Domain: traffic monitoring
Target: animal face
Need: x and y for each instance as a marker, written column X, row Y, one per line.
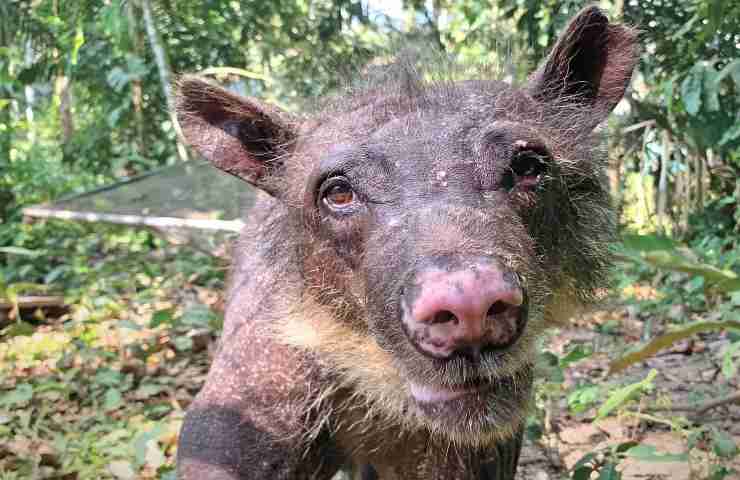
column 438, row 225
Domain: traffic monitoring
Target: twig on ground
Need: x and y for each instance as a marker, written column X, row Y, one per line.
column 700, row 410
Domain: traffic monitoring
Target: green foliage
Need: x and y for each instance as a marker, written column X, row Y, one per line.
column 621, row 396
column 693, row 64
column 665, row 341
column 95, row 396
column 605, row 462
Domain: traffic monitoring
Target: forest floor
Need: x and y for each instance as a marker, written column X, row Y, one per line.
column 83, row 397
column 688, row 378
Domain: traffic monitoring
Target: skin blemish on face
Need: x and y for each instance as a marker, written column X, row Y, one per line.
column 441, row 177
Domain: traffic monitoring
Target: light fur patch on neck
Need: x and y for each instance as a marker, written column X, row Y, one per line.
column 353, row 358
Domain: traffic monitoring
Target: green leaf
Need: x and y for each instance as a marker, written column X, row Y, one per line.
column 732, row 133
column 113, row 400
column 724, row 445
column 665, row 341
column 668, row 88
column 583, row 398
column 624, row 394
column 78, row 42
column 548, row 366
column 691, row 90
column 649, row 453
column 729, row 364
column 582, row 473
column 56, row 273
column 711, row 89
column 198, row 316
column 31, row 74
column 735, row 72
column 149, row 390
column 584, row 460
column 108, row 377
column 624, row 446
column 686, row 28
column 715, row 12
column 14, row 289
column 732, row 70
column 534, row 429
column 162, row 317
column 647, row 243
column 168, row 475
column 117, row 78
column 183, row 343
column 678, row 263
column 20, row 395
column 609, row 472
column 578, row 353
column 720, row 472
column 19, row 329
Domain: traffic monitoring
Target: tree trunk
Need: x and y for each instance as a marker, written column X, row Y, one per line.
column 699, row 198
column 136, row 86
column 663, row 182
column 683, row 194
column 62, row 89
column 163, row 66
column 29, row 93
column 7, row 199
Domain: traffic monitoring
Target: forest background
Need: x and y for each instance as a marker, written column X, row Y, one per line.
column 95, row 386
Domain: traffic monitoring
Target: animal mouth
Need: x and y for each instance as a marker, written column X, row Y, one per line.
column 482, row 401
column 431, row 394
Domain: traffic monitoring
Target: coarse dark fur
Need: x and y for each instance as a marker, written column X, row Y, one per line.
column 314, row 367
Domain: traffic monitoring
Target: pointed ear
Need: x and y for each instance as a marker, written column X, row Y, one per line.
column 240, row 136
column 591, row 63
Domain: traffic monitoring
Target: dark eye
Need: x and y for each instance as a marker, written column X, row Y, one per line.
column 337, row 194
column 527, row 167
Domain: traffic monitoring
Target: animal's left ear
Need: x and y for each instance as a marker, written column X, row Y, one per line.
column 591, row 63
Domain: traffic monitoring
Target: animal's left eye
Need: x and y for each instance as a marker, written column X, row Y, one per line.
column 525, row 170
column 528, row 165
column 338, row 195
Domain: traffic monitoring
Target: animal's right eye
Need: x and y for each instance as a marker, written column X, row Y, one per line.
column 338, row 195
column 528, row 165
column 526, row 170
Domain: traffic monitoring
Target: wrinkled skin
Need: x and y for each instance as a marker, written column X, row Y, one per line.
column 413, row 241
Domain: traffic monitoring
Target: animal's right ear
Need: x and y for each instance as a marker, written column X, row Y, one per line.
column 591, row 64
column 240, row 136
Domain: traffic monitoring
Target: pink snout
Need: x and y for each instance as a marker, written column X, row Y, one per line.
column 463, row 309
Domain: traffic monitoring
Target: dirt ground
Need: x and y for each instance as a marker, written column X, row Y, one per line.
column 689, row 374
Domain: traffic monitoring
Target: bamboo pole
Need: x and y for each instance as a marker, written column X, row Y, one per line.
column 163, row 66
column 137, row 220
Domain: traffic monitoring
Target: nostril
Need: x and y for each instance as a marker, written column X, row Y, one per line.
column 443, row 317
column 498, row 308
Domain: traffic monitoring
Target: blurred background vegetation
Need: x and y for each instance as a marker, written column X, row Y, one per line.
column 96, row 388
